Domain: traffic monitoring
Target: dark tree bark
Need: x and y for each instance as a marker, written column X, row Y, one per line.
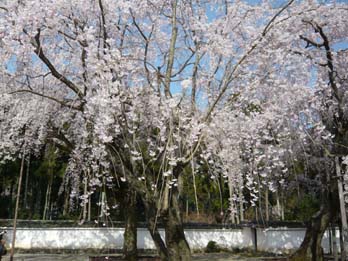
column 310, row 248
column 130, row 251
column 175, row 246
column 178, row 248
column 151, row 212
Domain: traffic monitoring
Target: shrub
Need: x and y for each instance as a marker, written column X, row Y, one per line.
column 212, row 247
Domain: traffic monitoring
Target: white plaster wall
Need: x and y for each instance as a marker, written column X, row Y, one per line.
column 279, row 240
column 275, row 240
column 228, row 238
column 76, row 238
column 283, row 240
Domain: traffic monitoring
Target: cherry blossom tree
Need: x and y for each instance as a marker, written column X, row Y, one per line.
column 136, row 91
column 295, row 112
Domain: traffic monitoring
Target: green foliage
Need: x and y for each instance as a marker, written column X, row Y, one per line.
column 212, row 193
column 48, row 164
column 212, row 247
column 307, row 207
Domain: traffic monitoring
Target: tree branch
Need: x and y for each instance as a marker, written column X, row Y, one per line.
column 311, row 43
column 105, row 35
column 238, row 64
column 171, row 52
column 47, row 97
column 39, row 52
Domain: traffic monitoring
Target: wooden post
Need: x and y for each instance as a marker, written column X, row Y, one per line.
column 17, row 206
column 342, row 209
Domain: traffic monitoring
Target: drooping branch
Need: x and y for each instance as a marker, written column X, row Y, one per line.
column 229, row 78
column 48, row 97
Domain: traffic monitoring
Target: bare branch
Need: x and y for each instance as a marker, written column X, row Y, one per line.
column 311, row 43
column 184, row 65
column 47, row 97
column 39, row 52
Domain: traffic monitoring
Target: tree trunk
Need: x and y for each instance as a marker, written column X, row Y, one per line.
column 66, row 202
column 150, row 211
column 241, row 207
column 334, row 243
column 26, row 206
column 310, row 248
column 10, row 211
column 278, row 205
column 47, row 200
column 266, row 205
column 89, row 209
column 177, row 246
column 282, row 205
column 344, row 225
column 17, row 206
column 343, row 253
column 84, row 211
column 130, row 251
column 233, row 206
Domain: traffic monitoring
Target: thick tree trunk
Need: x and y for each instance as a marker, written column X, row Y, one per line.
column 150, row 211
column 310, row 248
column 130, row 251
column 177, row 246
